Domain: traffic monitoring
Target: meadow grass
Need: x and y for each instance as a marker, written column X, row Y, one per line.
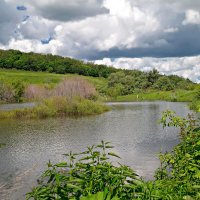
column 45, row 77
column 177, row 95
column 57, row 107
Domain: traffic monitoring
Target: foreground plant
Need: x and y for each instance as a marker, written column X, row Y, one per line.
column 85, row 174
column 91, row 176
column 179, row 173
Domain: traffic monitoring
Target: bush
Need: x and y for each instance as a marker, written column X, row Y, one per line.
column 87, row 173
column 6, row 92
column 19, row 88
column 163, row 83
column 68, row 88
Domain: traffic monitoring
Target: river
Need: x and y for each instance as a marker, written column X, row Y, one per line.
column 132, row 128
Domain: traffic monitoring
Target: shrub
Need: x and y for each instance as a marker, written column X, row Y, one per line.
column 74, row 87
column 163, row 83
column 6, row 92
column 68, row 88
column 87, row 173
column 18, row 87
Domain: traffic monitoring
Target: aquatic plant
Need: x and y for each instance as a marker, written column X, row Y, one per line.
column 57, row 107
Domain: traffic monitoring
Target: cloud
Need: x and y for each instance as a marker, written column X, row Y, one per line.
column 171, row 30
column 25, row 18
column 98, row 29
column 33, row 46
column 8, row 19
column 187, row 67
column 141, row 30
column 62, row 10
column 192, row 17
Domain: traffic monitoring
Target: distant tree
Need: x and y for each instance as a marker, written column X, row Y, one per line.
column 116, row 78
column 153, row 76
column 163, row 83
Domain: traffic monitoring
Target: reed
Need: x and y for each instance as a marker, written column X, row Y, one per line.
column 57, row 107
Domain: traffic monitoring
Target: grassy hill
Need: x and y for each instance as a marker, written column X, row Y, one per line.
column 29, row 77
column 115, row 84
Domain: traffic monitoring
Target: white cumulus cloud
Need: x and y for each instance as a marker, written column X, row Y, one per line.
column 187, row 67
column 192, row 17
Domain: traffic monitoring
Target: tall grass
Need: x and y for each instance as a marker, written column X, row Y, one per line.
column 66, row 88
column 57, row 107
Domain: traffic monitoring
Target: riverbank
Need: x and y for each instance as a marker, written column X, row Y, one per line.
column 27, row 86
column 57, row 107
column 195, row 105
column 153, row 95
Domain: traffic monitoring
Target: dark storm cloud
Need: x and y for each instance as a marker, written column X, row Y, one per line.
column 185, row 42
column 69, row 10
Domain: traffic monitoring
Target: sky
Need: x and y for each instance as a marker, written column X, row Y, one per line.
column 131, row 34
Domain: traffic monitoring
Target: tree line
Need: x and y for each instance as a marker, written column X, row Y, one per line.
column 129, row 82
column 14, row 59
column 120, row 81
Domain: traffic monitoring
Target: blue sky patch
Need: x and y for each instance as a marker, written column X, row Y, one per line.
column 46, row 41
column 21, row 8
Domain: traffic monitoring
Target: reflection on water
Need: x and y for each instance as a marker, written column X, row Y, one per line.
column 132, row 128
column 16, row 106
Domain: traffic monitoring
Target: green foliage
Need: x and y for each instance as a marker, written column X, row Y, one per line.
column 151, row 95
column 164, row 83
column 179, row 173
column 18, row 88
column 100, row 196
column 12, row 59
column 11, row 92
column 57, row 107
column 132, row 82
column 195, row 104
column 46, row 79
column 6, row 92
column 153, row 76
column 85, row 174
column 2, row 145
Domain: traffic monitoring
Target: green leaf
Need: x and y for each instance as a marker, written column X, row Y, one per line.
column 74, row 187
column 62, row 164
column 113, row 154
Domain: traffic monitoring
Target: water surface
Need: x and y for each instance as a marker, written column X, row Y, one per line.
column 15, row 106
column 132, row 128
